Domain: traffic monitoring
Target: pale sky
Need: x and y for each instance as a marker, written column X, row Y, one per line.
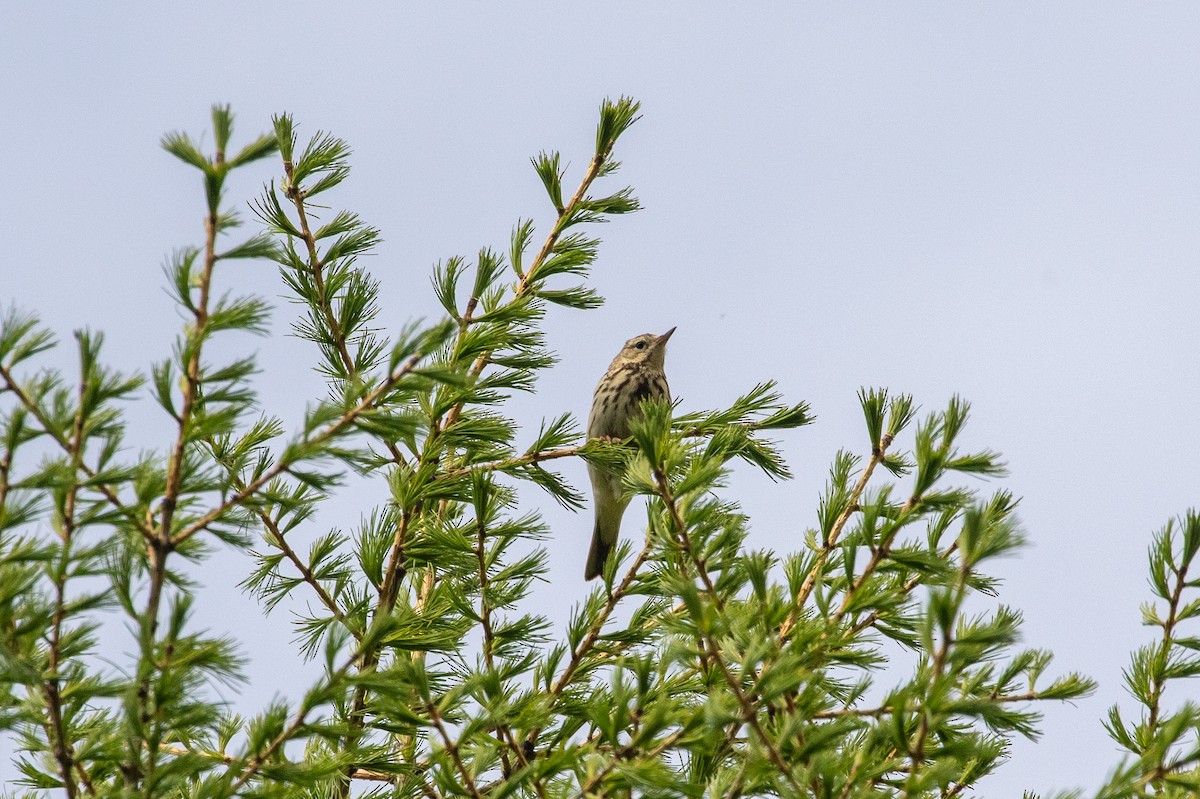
column 993, row 200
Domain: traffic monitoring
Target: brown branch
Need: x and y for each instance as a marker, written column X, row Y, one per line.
column 340, row 338
column 5, row 468
column 295, row 194
column 1166, row 769
column 526, row 281
column 917, row 750
column 887, row 710
column 958, row 788
column 370, row 658
column 1158, row 683
column 878, row 554
column 593, row 635
column 528, row 459
column 749, row 708
column 589, row 641
column 595, row 780
column 64, row 752
column 395, row 571
column 332, row 429
column 810, row 580
column 502, row 731
column 909, row 585
column 160, row 543
column 538, row 456
column 305, row 572
column 281, row 543
column 229, row 760
column 191, row 387
column 451, row 747
column 113, row 499
column 255, row 764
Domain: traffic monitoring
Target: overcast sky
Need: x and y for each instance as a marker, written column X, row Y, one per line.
column 994, row 200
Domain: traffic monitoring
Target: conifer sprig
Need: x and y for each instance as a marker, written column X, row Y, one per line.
column 1165, row 743
column 701, row 666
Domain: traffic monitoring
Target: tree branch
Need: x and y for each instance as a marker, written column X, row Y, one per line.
column 810, row 580
column 111, row 496
column 334, row 428
column 749, row 708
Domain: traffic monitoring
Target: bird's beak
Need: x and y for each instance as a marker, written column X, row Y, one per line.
column 663, row 338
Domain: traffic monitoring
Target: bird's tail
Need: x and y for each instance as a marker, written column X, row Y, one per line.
column 598, row 554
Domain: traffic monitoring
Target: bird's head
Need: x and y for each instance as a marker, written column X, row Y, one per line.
column 646, row 349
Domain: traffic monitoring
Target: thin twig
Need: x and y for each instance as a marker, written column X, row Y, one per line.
column 295, row 194
column 340, row 338
column 451, row 747
column 160, row 545
column 332, row 429
column 878, row 555
column 887, row 710
column 255, row 764
column 396, row 570
column 64, row 752
column 909, row 585
column 229, row 760
column 528, row 459
column 12, row 385
column 305, row 572
column 917, row 749
column 502, row 731
column 596, row 779
column 810, row 580
column 589, row 640
column 526, row 281
column 1159, row 680
column 749, row 708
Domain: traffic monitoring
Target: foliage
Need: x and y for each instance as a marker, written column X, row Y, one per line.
column 1165, row 744
column 700, row 667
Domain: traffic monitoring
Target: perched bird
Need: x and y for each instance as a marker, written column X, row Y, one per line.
column 634, row 375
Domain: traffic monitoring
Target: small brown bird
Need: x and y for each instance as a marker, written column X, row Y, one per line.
column 634, row 375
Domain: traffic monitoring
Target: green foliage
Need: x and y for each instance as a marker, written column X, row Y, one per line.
column 1165, row 743
column 698, row 667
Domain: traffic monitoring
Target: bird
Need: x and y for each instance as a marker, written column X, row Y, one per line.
column 634, row 375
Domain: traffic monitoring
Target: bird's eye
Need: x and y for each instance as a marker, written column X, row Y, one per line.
column 641, row 345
